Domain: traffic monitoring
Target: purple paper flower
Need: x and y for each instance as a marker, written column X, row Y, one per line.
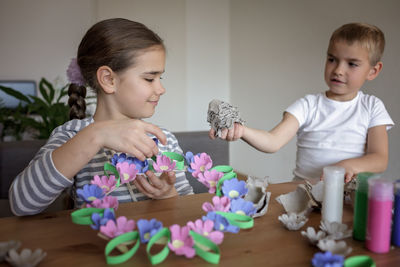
column 74, row 74
column 242, row 207
column 155, row 140
column 127, row 172
column 327, row 259
column 119, row 158
column 105, row 183
column 181, row 242
column 115, row 228
column 89, row 193
column 200, row 164
column 104, row 203
column 220, row 223
column 220, row 204
column 189, row 158
column 99, row 220
column 141, row 166
column 210, row 179
column 148, row 229
column 234, row 188
column 206, row 229
column 164, row 164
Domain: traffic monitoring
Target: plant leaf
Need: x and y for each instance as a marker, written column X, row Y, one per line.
column 14, row 93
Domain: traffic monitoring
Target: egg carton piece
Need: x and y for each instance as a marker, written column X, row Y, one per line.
column 297, row 201
column 293, row 221
column 222, row 115
column 313, row 236
column 335, row 247
column 336, row 230
column 7, row 246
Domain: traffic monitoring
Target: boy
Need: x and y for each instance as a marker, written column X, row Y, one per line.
column 342, row 126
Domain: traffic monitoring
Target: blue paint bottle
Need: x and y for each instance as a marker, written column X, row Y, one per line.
column 396, row 215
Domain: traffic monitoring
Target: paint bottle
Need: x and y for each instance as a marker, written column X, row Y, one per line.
column 332, row 204
column 396, row 215
column 361, row 206
column 380, row 203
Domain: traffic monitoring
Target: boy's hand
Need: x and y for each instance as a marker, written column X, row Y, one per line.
column 349, row 171
column 229, row 134
column 157, row 187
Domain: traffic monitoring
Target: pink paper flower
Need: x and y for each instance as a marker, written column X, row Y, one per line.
column 112, row 229
column 181, row 242
column 206, row 229
column 210, row 179
column 127, row 172
column 200, row 164
column 220, row 204
column 164, row 164
column 106, row 202
column 105, row 183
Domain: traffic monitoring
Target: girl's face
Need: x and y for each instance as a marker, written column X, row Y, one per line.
column 139, row 88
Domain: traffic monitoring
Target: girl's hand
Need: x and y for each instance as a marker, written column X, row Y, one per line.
column 229, row 134
column 129, row 136
column 157, row 187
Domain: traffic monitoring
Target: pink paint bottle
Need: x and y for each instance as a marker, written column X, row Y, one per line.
column 380, row 203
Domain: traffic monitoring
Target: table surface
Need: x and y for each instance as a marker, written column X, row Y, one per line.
column 268, row 242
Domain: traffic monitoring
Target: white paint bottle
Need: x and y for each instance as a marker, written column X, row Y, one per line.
column 332, row 204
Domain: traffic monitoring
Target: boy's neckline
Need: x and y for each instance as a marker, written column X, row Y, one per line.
column 342, row 101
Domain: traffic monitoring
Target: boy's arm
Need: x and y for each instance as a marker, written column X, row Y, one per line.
column 376, row 158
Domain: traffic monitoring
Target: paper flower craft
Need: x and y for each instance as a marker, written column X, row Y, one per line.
column 313, row 236
column 6, row 246
column 205, row 228
column 243, row 207
column 234, row 188
column 327, row 259
column 221, row 223
column 148, row 229
column 181, row 242
column 119, row 158
column 293, row 221
column 127, row 172
column 26, row 257
column 210, row 179
column 104, row 203
column 105, row 183
column 164, row 164
column 141, row 166
column 334, row 247
column 220, row 204
column 189, row 158
column 201, row 163
column 118, row 227
column 336, row 230
column 99, row 220
column 89, row 193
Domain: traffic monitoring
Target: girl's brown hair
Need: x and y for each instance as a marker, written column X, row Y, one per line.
column 114, row 43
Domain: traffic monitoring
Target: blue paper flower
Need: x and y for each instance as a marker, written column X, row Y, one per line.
column 155, row 140
column 90, row 192
column 189, row 157
column 121, row 158
column 234, row 188
column 221, row 223
column 99, row 220
column 327, row 259
column 148, row 229
column 141, row 166
column 243, row 207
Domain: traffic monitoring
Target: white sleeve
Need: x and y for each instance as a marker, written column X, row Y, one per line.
column 299, row 109
column 379, row 115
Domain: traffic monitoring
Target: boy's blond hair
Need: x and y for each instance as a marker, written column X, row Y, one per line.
column 368, row 36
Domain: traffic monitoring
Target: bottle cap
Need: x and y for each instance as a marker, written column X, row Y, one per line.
column 333, row 174
column 380, row 189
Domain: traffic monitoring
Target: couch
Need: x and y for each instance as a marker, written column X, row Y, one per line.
column 14, row 156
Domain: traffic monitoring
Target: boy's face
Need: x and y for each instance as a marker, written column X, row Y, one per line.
column 347, row 68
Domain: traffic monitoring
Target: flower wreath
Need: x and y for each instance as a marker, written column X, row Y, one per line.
column 229, row 212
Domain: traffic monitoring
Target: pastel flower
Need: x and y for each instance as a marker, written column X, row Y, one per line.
column 189, row 158
column 201, row 163
column 210, row 179
column 105, row 183
column 127, row 172
column 26, row 257
column 206, row 229
column 115, row 228
column 327, row 259
column 90, row 193
column 234, row 188
column 99, row 220
column 74, row 74
column 141, row 166
column 181, row 242
column 164, row 164
column 148, row 229
column 242, row 207
column 220, row 223
column 119, row 158
column 104, row 203
column 220, row 204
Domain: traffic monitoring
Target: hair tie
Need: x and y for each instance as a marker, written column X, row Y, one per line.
column 74, row 74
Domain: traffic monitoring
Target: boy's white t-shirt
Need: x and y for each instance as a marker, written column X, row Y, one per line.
column 331, row 131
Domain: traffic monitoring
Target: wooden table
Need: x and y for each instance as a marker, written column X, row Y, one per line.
column 267, row 243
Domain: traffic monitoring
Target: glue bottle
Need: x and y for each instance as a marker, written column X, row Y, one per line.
column 361, row 206
column 380, row 202
column 396, row 215
column 332, row 204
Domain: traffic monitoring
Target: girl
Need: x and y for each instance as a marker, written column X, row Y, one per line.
column 123, row 62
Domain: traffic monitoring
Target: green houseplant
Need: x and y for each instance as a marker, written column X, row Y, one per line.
column 39, row 115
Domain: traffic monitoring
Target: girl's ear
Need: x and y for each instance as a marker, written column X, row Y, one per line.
column 106, row 78
column 374, row 71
